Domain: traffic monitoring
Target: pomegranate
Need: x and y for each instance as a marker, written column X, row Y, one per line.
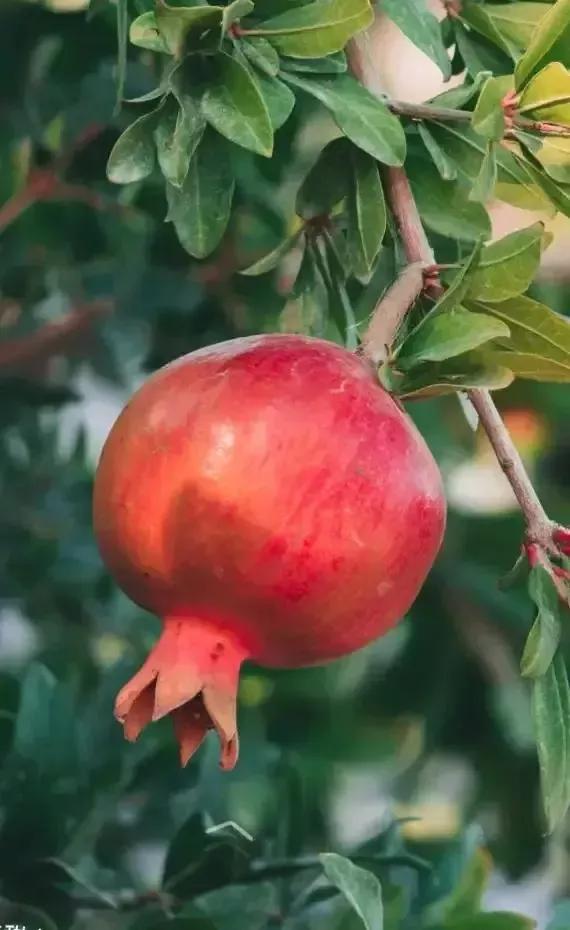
column 269, row 501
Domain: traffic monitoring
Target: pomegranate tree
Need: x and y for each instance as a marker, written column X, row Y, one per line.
column 269, row 501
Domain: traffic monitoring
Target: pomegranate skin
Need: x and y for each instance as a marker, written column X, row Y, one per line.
column 268, row 496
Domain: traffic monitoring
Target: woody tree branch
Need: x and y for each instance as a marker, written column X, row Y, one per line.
column 541, row 534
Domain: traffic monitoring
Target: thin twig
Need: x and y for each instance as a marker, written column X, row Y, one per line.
column 56, row 338
column 388, row 316
column 539, row 528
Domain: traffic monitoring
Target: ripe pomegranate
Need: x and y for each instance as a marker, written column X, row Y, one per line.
column 269, row 501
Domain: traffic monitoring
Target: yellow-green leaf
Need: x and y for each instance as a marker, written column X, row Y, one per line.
column 508, row 266
column 317, row 29
column 517, row 22
column 489, row 117
column 536, row 330
column 533, row 367
column 550, row 42
column 144, row 33
column 547, row 95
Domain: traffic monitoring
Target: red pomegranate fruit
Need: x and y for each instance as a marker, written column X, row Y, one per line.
column 269, row 501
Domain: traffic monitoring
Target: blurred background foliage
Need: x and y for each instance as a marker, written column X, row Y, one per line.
column 431, row 723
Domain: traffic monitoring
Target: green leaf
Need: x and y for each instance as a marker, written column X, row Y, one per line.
column 533, row 367
column 547, row 95
column 144, row 33
column 361, row 888
column 458, row 97
column 331, row 64
column 535, row 329
column 544, row 636
column 234, row 105
column 515, row 184
column 132, row 156
column 559, row 195
column 445, row 206
column 479, row 18
column 488, row 117
column 493, row 920
column 333, row 276
column 550, row 42
column 516, row 22
column 459, row 285
column 279, row 99
column 551, row 712
column 318, row 29
column 45, row 729
column 261, row 53
column 327, row 182
column 484, row 185
column 366, row 210
column 239, row 907
column 177, row 136
column 235, row 11
column 478, row 54
column 273, row 258
column 465, row 899
column 122, row 42
column 508, row 266
column 189, row 28
column 422, row 28
column 200, row 210
column 446, row 167
column 362, row 117
column 463, row 372
column 445, row 335
column 307, row 280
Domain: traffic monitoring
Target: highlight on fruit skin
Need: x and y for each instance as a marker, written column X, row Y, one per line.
column 268, row 500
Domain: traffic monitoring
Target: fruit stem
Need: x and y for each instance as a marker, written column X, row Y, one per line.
column 397, row 302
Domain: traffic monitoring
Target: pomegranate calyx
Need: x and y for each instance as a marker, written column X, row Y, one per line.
column 192, row 674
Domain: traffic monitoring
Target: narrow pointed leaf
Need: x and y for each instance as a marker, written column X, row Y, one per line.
column 327, row 182
column 446, row 335
column 361, row 888
column 317, row 29
column 132, row 157
column 447, row 168
column 261, row 53
column 233, row 104
column 544, row 636
column 273, row 258
column 508, row 266
column 550, row 42
column 551, row 712
column 366, row 209
column 200, row 210
column 330, row 64
column 535, row 328
column 484, row 185
column 422, row 28
column 359, row 114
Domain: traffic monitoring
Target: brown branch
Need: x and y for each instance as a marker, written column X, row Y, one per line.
column 390, row 312
column 539, row 528
column 26, row 353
